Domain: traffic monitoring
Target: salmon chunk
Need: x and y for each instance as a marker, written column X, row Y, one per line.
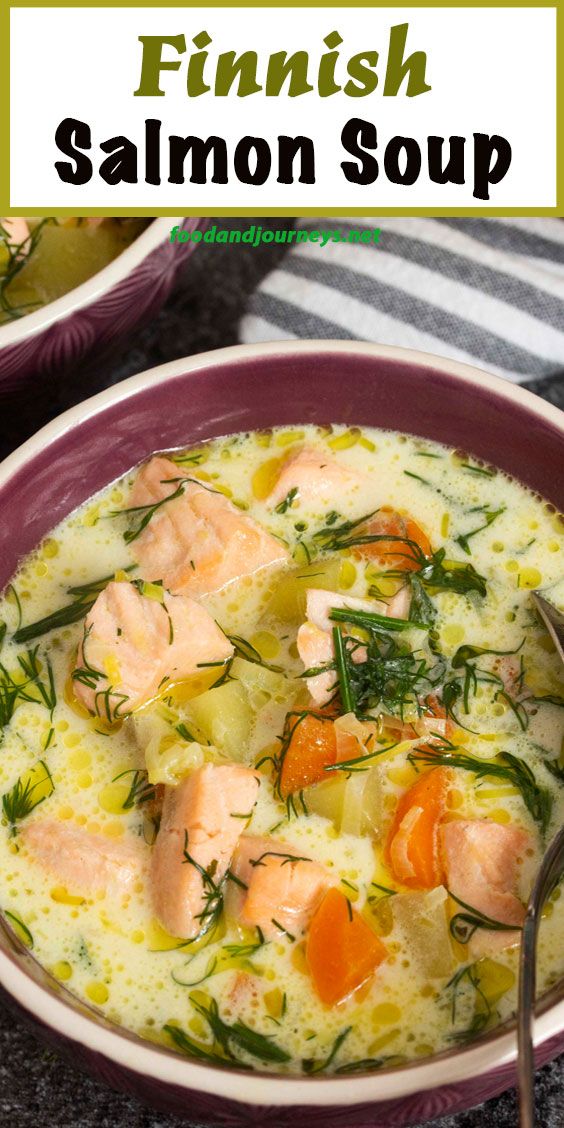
column 132, row 642
column 201, row 823
column 281, row 893
column 86, row 864
column 198, row 542
column 315, row 642
column 481, row 861
column 316, row 478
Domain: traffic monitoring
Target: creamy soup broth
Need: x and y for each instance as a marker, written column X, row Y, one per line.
column 333, row 756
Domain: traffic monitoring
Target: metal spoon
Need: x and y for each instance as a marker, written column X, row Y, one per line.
column 551, row 870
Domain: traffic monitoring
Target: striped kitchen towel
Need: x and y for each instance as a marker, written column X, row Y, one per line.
column 486, row 291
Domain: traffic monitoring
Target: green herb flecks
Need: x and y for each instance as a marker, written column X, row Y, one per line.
column 490, row 515
column 21, row 930
column 230, row 1037
column 391, row 677
column 19, row 254
column 212, row 892
column 470, row 976
column 458, row 690
column 28, row 792
column 506, row 767
column 288, row 501
column 142, row 514
column 194, row 1049
column 140, row 790
column 311, row 1066
column 463, row 925
column 85, row 596
column 37, row 686
column 244, row 649
column 370, row 620
column 421, row 609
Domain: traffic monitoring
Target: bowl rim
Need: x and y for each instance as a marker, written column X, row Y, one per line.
column 159, row 1064
column 12, row 332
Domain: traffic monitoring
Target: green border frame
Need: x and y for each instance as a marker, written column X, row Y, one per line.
column 6, row 6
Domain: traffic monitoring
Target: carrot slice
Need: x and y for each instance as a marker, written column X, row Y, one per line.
column 310, row 746
column 412, row 848
column 401, row 555
column 342, row 952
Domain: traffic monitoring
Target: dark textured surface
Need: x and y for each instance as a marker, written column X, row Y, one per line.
column 35, row 1085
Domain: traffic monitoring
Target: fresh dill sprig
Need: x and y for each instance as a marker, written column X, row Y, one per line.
column 140, row 791
column 145, row 513
column 365, row 1065
column 212, row 892
column 462, row 686
column 201, row 1053
column 433, row 571
column 245, row 649
column 370, row 620
column 85, row 596
column 19, row 254
column 32, row 689
column 421, row 609
column 482, row 1012
column 359, row 763
column 390, row 678
column 288, row 501
column 21, row 930
column 490, row 515
column 463, row 925
column 311, row 1066
column 480, row 470
column 506, row 767
column 26, row 795
column 239, row 1036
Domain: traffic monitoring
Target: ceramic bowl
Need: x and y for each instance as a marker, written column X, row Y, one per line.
column 189, row 401
column 37, row 349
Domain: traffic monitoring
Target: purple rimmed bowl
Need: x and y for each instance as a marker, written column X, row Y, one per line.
column 186, row 402
column 37, row 349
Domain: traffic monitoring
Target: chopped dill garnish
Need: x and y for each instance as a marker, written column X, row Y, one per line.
column 311, row 1066
column 481, row 470
column 490, row 515
column 238, row 1035
column 33, row 689
column 145, row 513
column 85, row 598
column 288, row 501
column 506, row 767
column 278, row 854
column 482, row 1010
column 196, row 1050
column 19, row 255
column 21, row 930
column 212, row 892
column 245, row 649
column 140, row 791
column 26, row 794
column 463, row 925
column 384, row 891
column 390, row 678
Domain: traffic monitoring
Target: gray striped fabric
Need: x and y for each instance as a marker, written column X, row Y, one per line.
column 486, row 291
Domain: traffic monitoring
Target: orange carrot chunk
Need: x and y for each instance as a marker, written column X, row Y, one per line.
column 310, row 747
column 412, row 847
column 342, row 952
column 403, row 550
